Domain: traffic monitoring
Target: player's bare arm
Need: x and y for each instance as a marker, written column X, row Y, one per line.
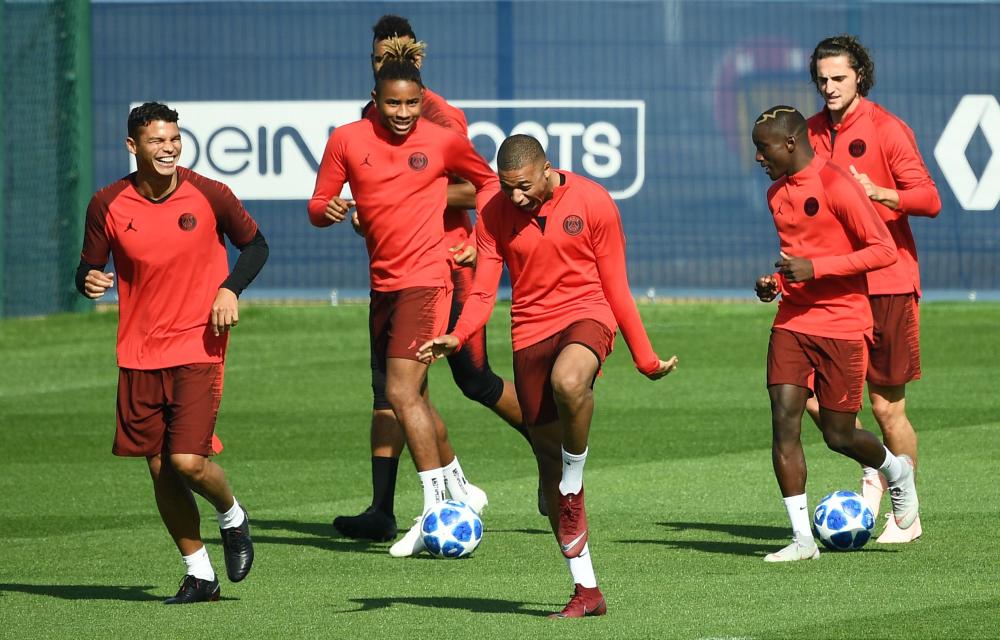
column 795, row 269
column 337, row 208
column 766, row 288
column 462, row 195
column 882, row 195
column 439, row 347
column 97, row 283
column 225, row 311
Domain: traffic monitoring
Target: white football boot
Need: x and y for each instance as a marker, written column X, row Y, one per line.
column 892, row 534
column 872, row 488
column 799, row 550
column 903, row 493
column 475, row 498
column 411, row 543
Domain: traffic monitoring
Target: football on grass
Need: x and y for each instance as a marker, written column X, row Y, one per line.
column 843, row 522
column 451, row 529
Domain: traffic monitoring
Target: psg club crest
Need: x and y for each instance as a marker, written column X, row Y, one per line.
column 417, row 161
column 573, row 225
column 812, row 207
column 857, row 148
column 187, row 221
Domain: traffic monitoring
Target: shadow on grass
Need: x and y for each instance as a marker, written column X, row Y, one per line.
column 472, row 605
column 711, row 546
column 84, row 591
column 776, row 536
column 754, row 532
column 321, row 535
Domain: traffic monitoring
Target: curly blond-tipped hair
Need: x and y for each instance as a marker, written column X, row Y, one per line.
column 396, row 49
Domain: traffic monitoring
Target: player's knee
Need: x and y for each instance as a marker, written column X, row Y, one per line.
column 402, row 397
column 191, row 467
column 569, row 387
column 886, row 413
column 838, row 440
column 484, row 387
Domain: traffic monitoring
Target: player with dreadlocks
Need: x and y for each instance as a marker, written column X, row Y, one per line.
column 394, row 40
column 398, row 166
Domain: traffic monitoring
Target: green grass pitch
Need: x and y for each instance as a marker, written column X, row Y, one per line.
column 681, row 497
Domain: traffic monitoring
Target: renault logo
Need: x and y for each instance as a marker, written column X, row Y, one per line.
column 973, row 111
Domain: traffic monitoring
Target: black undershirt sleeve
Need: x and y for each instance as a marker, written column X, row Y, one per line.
column 81, row 274
column 253, row 255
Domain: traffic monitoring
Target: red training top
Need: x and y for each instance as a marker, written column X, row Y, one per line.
column 880, row 145
column 566, row 263
column 457, row 223
column 400, row 186
column 822, row 213
column 170, row 260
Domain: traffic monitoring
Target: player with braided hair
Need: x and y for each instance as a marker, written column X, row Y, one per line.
column 397, row 162
column 394, row 40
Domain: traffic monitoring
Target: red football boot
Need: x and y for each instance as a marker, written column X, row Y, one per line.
column 586, row 601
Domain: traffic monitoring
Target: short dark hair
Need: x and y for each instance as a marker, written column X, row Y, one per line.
column 519, row 151
column 396, row 69
column 858, row 57
column 389, row 26
column 784, row 120
column 148, row 112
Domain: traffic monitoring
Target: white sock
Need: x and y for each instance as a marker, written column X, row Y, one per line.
column 892, row 468
column 433, row 483
column 572, row 472
column 454, row 480
column 231, row 518
column 198, row 565
column 798, row 512
column 869, row 472
column 582, row 569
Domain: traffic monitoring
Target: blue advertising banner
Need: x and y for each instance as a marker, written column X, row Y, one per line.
column 655, row 100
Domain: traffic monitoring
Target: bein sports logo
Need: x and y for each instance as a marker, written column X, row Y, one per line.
column 972, row 112
column 270, row 150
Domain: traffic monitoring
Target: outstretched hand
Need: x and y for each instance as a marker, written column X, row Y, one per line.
column 666, row 366
column 439, row 347
column 795, row 269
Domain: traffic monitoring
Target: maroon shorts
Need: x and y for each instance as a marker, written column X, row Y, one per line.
column 169, row 410
column 834, row 369
column 400, row 321
column 895, row 351
column 533, row 367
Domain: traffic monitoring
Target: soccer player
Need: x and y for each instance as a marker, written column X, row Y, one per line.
column 394, row 39
column 561, row 238
column 164, row 227
column 830, row 236
column 398, row 166
column 881, row 153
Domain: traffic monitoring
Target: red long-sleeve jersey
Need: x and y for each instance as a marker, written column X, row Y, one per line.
column 400, row 187
column 882, row 146
column 457, row 223
column 566, row 263
column 822, row 213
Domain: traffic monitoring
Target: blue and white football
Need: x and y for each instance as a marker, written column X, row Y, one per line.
column 451, row 529
column 843, row 522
